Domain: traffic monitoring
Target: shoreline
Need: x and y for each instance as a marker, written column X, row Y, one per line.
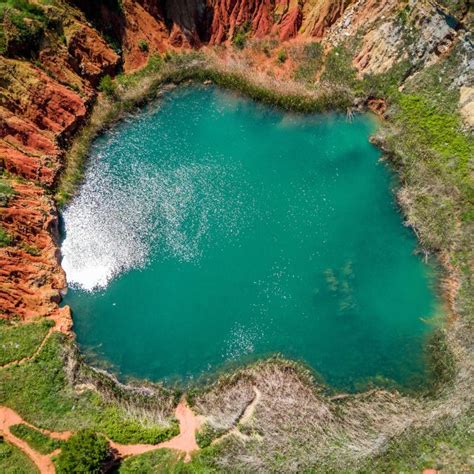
column 200, row 75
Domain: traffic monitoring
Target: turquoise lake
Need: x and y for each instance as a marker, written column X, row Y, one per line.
column 211, row 231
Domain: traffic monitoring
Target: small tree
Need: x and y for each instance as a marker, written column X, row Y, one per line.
column 84, row 453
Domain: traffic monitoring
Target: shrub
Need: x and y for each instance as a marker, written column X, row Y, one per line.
column 85, row 452
column 143, row 46
column 6, row 192
column 240, row 37
column 107, row 86
column 207, row 434
column 282, row 56
column 5, row 238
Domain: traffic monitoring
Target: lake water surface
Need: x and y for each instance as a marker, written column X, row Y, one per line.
column 213, row 230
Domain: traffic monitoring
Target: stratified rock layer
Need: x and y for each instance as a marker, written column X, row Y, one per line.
column 31, row 277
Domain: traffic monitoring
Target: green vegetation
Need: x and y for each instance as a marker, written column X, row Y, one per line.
column 107, row 86
column 13, row 461
column 23, row 25
column 282, row 56
column 338, row 68
column 310, row 61
column 447, row 447
column 31, row 249
column 166, row 461
column 39, row 390
column 240, row 36
column 37, row 440
column 207, row 434
column 143, row 46
column 18, row 341
column 6, row 193
column 153, row 66
column 5, row 238
column 438, row 130
column 85, row 452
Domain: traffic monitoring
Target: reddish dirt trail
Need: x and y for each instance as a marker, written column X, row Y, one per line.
column 184, row 442
column 9, row 418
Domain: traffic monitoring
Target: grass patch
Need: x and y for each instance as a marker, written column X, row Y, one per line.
column 40, row 392
column 18, row 341
column 13, row 461
column 311, row 60
column 448, row 446
column 207, row 434
column 37, row 440
column 167, row 461
column 438, row 130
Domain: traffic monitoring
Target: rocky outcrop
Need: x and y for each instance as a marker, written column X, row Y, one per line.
column 31, row 277
column 144, row 32
column 419, row 32
column 36, row 113
column 466, row 105
column 88, row 53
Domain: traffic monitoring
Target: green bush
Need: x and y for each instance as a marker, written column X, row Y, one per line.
column 5, row 238
column 143, row 46
column 240, row 37
column 6, row 193
column 107, row 86
column 85, row 452
column 282, row 56
column 207, row 434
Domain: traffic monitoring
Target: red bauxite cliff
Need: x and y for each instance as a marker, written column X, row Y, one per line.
column 41, row 106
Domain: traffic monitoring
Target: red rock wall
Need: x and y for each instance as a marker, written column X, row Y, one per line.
column 30, row 275
column 41, row 106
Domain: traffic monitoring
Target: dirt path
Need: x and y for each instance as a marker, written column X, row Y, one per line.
column 185, row 441
column 244, row 418
column 9, row 418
